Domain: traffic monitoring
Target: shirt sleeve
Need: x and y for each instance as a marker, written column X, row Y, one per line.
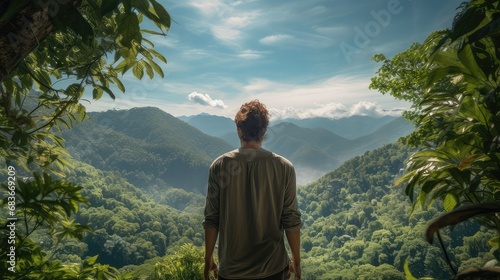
column 291, row 216
column 211, row 212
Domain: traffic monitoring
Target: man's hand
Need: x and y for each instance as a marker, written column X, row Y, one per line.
column 210, row 265
column 295, row 269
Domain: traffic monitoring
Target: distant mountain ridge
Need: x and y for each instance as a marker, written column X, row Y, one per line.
column 349, row 127
column 313, row 145
column 210, row 124
column 315, row 151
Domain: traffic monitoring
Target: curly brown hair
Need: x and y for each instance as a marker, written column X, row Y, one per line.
column 252, row 120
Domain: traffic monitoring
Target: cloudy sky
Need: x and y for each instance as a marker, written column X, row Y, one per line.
column 301, row 58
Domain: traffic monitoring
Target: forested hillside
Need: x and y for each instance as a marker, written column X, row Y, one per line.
column 150, row 148
column 128, row 226
column 356, row 224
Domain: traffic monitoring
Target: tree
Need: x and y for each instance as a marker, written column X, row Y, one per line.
column 89, row 44
column 83, row 34
column 404, row 77
column 458, row 120
column 43, row 203
column 186, row 263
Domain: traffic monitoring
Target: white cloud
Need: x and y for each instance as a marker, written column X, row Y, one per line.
column 365, row 108
column 211, row 7
column 193, row 54
column 273, row 39
column 251, row 54
column 225, row 20
column 339, row 95
column 230, row 28
column 240, row 21
column 224, row 33
column 206, row 100
column 333, row 111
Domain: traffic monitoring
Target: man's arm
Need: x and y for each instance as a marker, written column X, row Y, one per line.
column 210, row 265
column 210, row 240
column 293, row 238
column 211, row 221
column 291, row 219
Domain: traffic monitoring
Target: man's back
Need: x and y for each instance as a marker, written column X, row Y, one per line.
column 251, row 200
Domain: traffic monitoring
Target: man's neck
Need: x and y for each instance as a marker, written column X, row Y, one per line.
column 251, row 145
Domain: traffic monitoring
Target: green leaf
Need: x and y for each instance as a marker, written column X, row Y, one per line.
column 42, row 80
column 97, row 93
column 149, row 69
column 461, row 177
column 466, row 23
column 138, row 70
column 108, row 6
column 107, row 90
column 128, row 29
column 156, row 67
column 124, row 66
column 158, row 55
column 468, row 59
column 91, row 260
column 69, row 17
column 438, row 74
column 119, row 84
column 143, row 7
column 152, row 32
column 422, row 198
column 163, row 15
column 407, row 271
column 74, row 90
column 495, row 242
column 488, row 30
column 450, row 201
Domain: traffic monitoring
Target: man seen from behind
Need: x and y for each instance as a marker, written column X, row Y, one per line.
column 251, row 205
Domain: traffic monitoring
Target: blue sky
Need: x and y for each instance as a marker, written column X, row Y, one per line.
column 301, row 58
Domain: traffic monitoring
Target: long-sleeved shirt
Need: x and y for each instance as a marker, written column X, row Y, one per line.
column 251, row 200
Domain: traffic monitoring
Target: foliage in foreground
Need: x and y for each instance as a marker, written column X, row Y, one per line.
column 456, row 108
column 32, row 103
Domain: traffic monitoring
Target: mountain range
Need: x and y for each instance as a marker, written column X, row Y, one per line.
column 315, row 145
column 349, row 127
column 155, row 150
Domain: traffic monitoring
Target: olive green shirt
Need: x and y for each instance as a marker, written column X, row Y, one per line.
column 251, row 200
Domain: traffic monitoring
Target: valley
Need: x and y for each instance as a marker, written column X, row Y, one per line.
column 144, row 171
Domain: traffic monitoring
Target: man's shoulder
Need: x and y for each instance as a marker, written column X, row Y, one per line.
column 282, row 159
column 229, row 154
